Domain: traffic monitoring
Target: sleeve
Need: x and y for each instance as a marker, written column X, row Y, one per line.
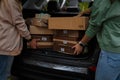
column 94, row 23
column 17, row 19
column 95, row 2
column 92, row 30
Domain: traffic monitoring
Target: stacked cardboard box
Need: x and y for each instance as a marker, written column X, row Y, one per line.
column 65, row 39
column 68, row 31
column 43, row 35
column 39, row 31
column 41, row 20
column 61, row 33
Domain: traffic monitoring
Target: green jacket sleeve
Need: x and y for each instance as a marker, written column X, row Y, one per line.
column 99, row 8
column 92, row 30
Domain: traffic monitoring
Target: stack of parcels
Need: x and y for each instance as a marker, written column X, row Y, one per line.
column 39, row 31
column 68, row 31
column 41, row 20
column 64, row 40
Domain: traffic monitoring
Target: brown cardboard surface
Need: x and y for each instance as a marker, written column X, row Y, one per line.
column 66, row 38
column 64, row 48
column 64, row 42
column 40, row 30
column 67, row 33
column 68, row 23
column 42, row 45
column 43, row 38
column 39, row 22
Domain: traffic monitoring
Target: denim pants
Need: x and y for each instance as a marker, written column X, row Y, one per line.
column 108, row 67
column 5, row 66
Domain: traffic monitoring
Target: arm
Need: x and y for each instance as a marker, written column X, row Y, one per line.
column 91, row 31
column 88, row 11
column 79, row 48
column 19, row 23
column 17, row 19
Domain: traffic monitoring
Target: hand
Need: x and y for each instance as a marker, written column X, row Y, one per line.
column 78, row 49
column 28, row 21
column 33, row 43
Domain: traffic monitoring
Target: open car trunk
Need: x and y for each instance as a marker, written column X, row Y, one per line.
column 45, row 64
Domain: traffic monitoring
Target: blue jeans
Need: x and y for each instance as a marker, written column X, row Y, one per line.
column 108, row 67
column 5, row 66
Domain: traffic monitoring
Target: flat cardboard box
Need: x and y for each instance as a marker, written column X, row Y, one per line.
column 42, row 45
column 68, row 23
column 39, row 22
column 40, row 30
column 67, row 33
column 63, row 47
column 65, row 42
column 66, row 38
column 43, row 38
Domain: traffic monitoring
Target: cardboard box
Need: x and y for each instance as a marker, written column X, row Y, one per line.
column 66, row 38
column 43, row 38
column 64, row 46
column 39, row 22
column 40, row 30
column 63, row 49
column 72, row 35
column 67, row 33
column 42, row 45
column 68, row 23
column 65, row 42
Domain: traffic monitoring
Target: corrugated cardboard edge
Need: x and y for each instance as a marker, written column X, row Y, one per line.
column 83, row 25
column 40, row 30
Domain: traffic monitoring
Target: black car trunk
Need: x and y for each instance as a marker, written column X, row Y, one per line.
column 46, row 64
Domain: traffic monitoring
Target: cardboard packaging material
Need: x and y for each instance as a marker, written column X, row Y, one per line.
column 66, row 38
column 67, row 33
column 42, row 45
column 40, row 22
column 40, row 30
column 43, row 38
column 64, row 46
column 63, row 49
column 43, row 41
column 65, row 42
column 68, row 23
column 72, row 35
